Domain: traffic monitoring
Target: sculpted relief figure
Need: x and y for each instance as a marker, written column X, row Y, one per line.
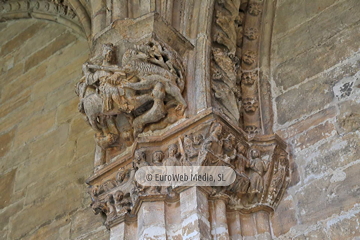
column 146, row 90
column 258, row 169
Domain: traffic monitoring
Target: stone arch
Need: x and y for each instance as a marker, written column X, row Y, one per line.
column 71, row 13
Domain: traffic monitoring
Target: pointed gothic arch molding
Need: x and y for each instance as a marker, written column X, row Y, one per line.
column 70, row 13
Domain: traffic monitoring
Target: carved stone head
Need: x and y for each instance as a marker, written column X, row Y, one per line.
column 198, row 138
column 240, row 148
column 229, row 142
column 109, row 53
column 118, row 196
column 255, row 153
column 157, row 157
column 255, row 9
column 249, row 57
column 248, row 78
column 250, row 105
column 251, row 33
column 172, row 149
column 140, row 156
column 216, row 129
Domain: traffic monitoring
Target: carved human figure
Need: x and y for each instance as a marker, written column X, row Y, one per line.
column 214, row 143
column 139, row 159
column 122, row 203
column 279, row 175
column 110, row 210
column 240, row 164
column 189, row 148
column 122, row 176
column 250, row 105
column 249, row 57
column 229, row 148
column 157, row 158
column 255, row 8
column 258, row 170
column 251, row 33
column 249, row 78
column 172, row 159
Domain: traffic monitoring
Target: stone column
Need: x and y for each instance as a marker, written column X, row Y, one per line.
column 262, row 219
column 248, row 227
column 151, row 221
column 234, row 225
column 194, row 214
column 219, row 225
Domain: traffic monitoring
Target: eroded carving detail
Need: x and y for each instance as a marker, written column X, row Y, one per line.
column 251, row 33
column 227, row 43
column 250, row 105
column 255, row 8
column 249, row 78
column 262, row 174
column 146, row 90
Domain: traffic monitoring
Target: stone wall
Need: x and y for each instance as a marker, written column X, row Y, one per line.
column 316, row 60
column 46, row 149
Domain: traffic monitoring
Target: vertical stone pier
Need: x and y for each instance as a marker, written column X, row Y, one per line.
column 177, row 83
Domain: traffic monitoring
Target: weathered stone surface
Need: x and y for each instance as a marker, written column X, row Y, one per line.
column 319, row 28
column 64, row 204
column 59, row 77
column 15, row 87
column 319, row 160
column 21, row 37
column 59, row 43
column 6, row 141
column 281, row 224
column 6, row 188
column 331, row 197
column 314, row 135
column 16, row 102
column 54, row 179
column 310, row 63
column 301, row 126
column 344, row 225
column 48, row 33
column 314, row 234
column 14, row 28
column 35, row 126
column 9, row 212
column 82, row 221
column 349, row 118
column 50, row 230
column 14, row 158
column 307, row 98
column 293, row 13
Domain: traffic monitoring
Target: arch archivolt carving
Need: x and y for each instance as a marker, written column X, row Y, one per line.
column 70, row 13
